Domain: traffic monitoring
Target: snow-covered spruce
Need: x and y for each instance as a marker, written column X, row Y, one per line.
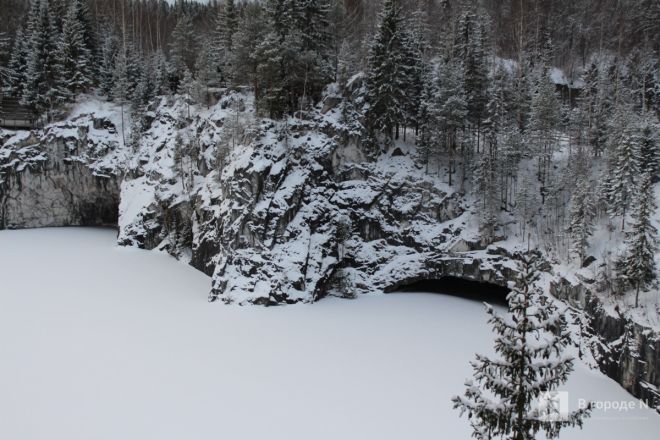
column 532, row 337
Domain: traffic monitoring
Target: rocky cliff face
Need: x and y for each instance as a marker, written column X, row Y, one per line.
column 276, row 212
column 56, row 177
column 625, row 350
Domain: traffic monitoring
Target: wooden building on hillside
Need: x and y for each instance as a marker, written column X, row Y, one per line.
column 13, row 115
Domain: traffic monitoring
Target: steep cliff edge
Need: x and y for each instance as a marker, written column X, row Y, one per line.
column 279, row 211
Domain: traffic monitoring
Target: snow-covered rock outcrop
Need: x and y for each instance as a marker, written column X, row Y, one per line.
column 66, row 174
column 275, row 211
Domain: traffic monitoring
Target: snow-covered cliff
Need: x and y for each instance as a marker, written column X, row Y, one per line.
column 277, row 211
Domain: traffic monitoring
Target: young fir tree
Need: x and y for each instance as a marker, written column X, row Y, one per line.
column 389, row 73
column 638, row 263
column 532, row 336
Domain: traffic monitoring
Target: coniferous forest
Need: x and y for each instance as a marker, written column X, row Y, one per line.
column 297, row 149
column 477, row 85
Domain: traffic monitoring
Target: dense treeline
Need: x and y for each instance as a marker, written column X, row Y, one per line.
column 474, row 84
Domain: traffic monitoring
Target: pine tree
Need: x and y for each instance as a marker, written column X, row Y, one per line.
column 638, row 263
column 502, row 400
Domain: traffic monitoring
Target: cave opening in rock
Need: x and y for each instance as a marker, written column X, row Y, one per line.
column 101, row 212
column 461, row 287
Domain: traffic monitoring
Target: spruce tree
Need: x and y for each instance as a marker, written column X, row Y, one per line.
column 41, row 91
column 73, row 56
column 245, row 61
column 294, row 62
column 544, row 119
column 223, row 42
column 14, row 82
column 503, row 398
column 4, row 52
column 230, row 24
column 183, row 45
column 108, row 50
column 638, row 263
column 471, row 53
column 427, row 119
column 623, row 171
column 160, row 68
column 121, row 89
column 582, row 218
column 487, row 189
column 389, row 73
column 648, row 147
column 451, row 110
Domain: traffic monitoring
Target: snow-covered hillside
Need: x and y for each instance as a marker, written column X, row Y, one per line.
column 106, row 342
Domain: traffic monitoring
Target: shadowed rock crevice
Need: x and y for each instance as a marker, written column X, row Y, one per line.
column 460, row 287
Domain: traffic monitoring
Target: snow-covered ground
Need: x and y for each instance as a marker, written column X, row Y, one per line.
column 101, row 342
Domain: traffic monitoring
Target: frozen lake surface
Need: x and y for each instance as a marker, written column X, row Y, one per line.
column 101, row 342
